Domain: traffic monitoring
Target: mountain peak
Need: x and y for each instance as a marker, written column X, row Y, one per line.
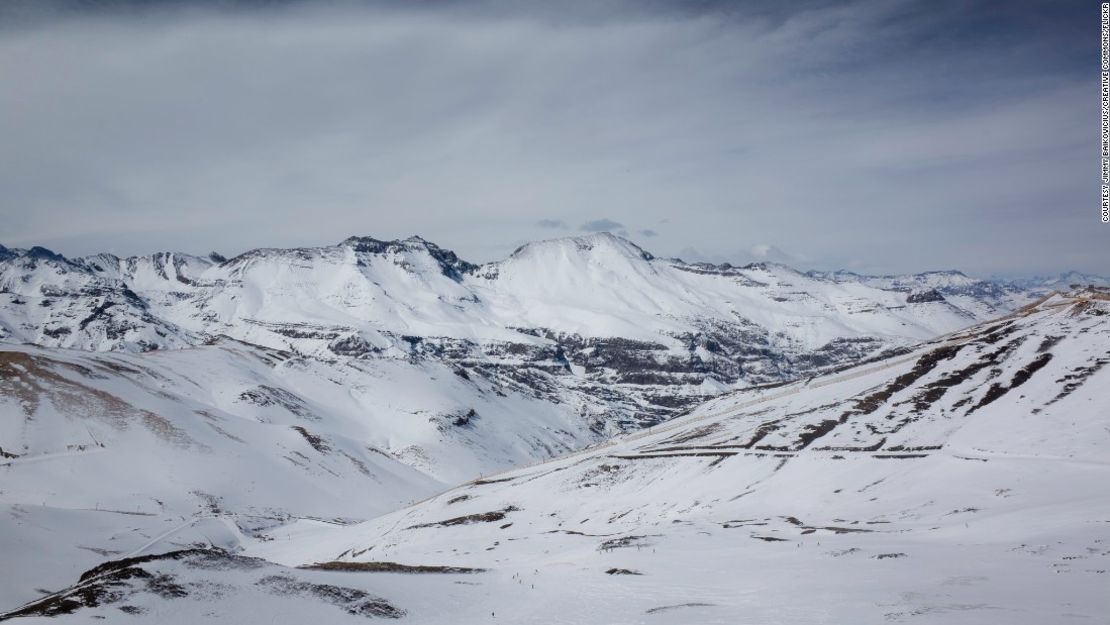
column 37, row 253
column 372, row 245
column 944, row 272
column 449, row 262
column 589, row 243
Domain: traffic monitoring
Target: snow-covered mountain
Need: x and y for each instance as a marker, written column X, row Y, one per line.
column 1063, row 281
column 961, row 481
column 592, row 314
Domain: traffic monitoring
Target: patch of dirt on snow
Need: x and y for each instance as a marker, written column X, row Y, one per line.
column 666, row 608
column 481, row 517
column 352, row 600
column 388, row 567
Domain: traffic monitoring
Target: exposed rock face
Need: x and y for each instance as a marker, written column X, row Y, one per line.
column 924, row 297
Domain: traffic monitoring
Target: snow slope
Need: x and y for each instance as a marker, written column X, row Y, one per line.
column 965, row 481
column 103, row 452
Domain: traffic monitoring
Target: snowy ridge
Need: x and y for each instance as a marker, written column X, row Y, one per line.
column 658, row 335
column 367, row 285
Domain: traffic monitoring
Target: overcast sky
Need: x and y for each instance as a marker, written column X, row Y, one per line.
column 880, row 136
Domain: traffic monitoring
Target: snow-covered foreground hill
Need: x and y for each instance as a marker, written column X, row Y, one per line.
column 103, row 452
column 966, row 481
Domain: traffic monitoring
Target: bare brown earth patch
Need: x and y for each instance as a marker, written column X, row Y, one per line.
column 34, row 379
column 389, row 567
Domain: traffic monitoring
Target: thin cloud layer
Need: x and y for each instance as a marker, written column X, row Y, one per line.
column 601, row 225
column 886, row 136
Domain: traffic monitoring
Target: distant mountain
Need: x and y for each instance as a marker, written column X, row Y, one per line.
column 593, row 313
column 1062, row 282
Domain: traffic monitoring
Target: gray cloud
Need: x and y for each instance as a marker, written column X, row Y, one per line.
column 601, row 225
column 552, row 224
column 765, row 252
column 894, row 136
column 648, row 232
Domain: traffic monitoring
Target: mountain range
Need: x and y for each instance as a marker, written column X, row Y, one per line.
column 586, row 312
column 317, row 407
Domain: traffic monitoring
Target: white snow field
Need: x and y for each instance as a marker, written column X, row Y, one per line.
column 966, row 481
